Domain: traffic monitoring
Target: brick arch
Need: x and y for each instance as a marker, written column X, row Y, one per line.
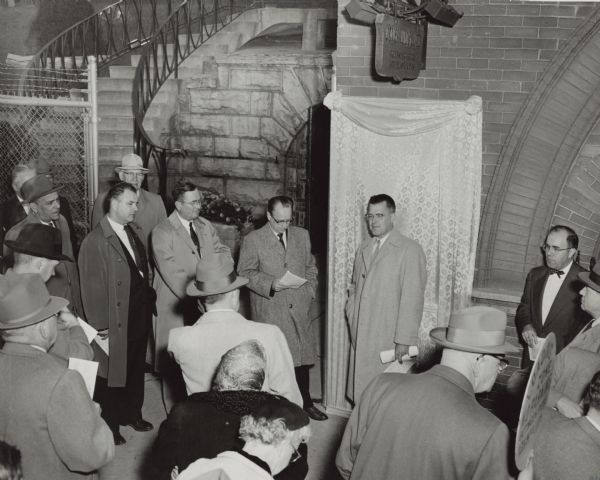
column 537, row 158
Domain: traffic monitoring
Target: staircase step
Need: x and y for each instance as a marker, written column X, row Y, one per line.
column 216, row 49
column 108, row 124
column 112, row 153
column 115, row 137
column 108, row 110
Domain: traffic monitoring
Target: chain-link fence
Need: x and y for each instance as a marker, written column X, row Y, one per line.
column 59, row 133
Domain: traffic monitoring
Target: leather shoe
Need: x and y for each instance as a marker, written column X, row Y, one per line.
column 118, row 438
column 315, row 413
column 140, row 425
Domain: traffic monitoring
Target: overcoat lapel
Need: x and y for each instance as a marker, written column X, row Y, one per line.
column 182, row 232
column 273, row 242
column 112, row 238
column 562, row 299
column 537, row 295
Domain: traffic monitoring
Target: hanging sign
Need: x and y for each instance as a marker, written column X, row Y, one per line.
column 400, row 47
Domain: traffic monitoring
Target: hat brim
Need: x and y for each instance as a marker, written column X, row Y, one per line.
column 585, row 278
column 128, row 169
column 52, row 190
column 193, row 291
column 55, row 305
column 13, row 245
column 438, row 335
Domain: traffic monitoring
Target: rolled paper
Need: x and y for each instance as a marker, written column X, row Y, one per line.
column 388, row 356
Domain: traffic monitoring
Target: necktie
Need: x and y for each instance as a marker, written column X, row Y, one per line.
column 134, row 246
column 195, row 238
column 587, row 327
column 554, row 270
column 377, row 248
column 280, row 236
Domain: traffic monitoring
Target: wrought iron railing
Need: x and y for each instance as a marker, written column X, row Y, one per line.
column 182, row 33
column 110, row 33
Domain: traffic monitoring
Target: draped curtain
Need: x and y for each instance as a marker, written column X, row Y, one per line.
column 427, row 156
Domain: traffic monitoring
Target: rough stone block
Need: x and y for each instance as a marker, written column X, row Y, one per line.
column 255, row 79
column 198, row 144
column 227, row 146
column 273, row 171
column 212, row 124
column 245, row 126
column 252, row 191
column 260, row 103
column 223, row 76
column 285, row 114
column 232, row 167
column 295, row 94
column 275, row 134
column 256, row 148
column 313, row 83
column 220, row 101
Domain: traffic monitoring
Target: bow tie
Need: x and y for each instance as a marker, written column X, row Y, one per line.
column 554, row 270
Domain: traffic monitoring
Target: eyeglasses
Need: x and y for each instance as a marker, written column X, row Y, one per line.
column 295, row 456
column 196, row 203
column 134, row 174
column 370, row 216
column 281, row 221
column 552, row 248
column 503, row 362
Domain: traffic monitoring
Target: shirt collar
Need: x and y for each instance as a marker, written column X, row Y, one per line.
column 594, row 424
column 117, row 227
column 184, row 222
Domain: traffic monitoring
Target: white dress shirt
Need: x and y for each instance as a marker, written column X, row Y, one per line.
column 122, row 234
column 551, row 289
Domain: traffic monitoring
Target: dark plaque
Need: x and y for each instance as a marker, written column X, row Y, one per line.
column 399, row 47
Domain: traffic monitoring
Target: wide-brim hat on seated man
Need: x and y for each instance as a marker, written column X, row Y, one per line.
column 214, row 275
column 476, row 329
column 131, row 163
column 592, row 278
column 38, row 187
column 25, row 301
column 39, row 240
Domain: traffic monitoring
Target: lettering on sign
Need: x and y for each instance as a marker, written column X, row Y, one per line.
column 400, row 47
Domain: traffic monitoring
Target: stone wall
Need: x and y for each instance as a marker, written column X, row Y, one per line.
column 500, row 51
column 237, row 119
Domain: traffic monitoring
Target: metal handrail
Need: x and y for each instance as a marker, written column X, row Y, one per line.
column 107, row 35
column 192, row 24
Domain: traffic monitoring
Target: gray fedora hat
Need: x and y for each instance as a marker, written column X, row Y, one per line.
column 478, row 329
column 24, row 301
column 591, row 279
column 215, row 274
column 38, row 187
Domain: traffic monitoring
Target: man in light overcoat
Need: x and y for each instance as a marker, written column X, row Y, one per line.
column 266, row 255
column 386, row 297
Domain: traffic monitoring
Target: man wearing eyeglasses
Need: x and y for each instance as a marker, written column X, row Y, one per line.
column 550, row 303
column 386, row 296
column 429, row 425
column 151, row 209
column 265, row 257
column 178, row 242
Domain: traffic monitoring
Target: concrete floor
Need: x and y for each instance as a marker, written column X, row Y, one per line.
column 129, row 458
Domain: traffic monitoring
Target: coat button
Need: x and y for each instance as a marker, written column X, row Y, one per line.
column 118, row 304
column 291, row 305
column 119, row 325
column 119, row 282
column 363, row 275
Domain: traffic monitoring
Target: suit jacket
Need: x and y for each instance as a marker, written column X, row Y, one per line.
column 385, row 305
column 575, row 366
column 65, row 282
column 151, row 211
column 423, row 426
column 11, row 213
column 46, row 411
column 105, row 293
column 262, row 260
column 566, row 448
column 198, row 350
column 175, row 257
column 565, row 317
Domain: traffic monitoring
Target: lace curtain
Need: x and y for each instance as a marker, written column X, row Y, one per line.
column 427, row 156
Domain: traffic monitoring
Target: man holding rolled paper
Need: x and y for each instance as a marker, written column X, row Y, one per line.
column 386, row 296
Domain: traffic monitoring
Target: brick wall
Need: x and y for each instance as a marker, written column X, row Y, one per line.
column 498, row 51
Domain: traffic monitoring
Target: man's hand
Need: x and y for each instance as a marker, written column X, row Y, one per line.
column 277, row 286
column 529, row 336
column 401, row 350
column 569, row 408
column 66, row 319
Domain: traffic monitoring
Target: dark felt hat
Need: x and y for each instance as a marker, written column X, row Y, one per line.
column 24, row 301
column 39, row 240
column 280, row 408
column 215, row 274
column 591, row 279
column 476, row 329
column 37, row 187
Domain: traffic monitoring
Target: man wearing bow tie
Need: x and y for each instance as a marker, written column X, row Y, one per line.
column 550, row 303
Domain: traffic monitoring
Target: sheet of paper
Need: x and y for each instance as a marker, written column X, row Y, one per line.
column 292, row 281
column 90, row 332
column 396, row 367
column 102, row 343
column 534, row 352
column 88, row 371
column 388, row 356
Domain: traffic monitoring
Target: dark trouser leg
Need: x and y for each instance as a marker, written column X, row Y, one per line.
column 109, row 400
column 132, row 395
column 303, row 380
